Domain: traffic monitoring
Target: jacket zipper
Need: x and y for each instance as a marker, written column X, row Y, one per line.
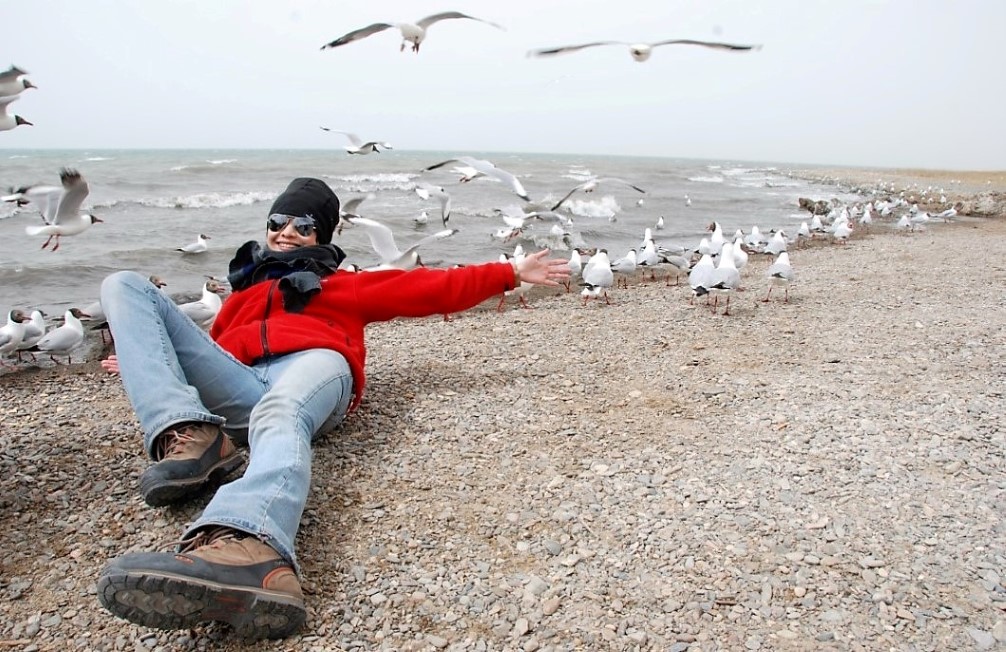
column 263, row 330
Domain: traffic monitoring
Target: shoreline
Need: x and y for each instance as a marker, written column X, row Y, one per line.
column 819, row 474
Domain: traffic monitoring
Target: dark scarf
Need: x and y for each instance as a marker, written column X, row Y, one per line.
column 300, row 271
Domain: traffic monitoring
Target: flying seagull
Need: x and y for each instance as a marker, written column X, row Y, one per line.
column 589, row 186
column 9, row 121
column 356, row 144
column 60, row 207
column 488, row 169
column 11, row 82
column 413, row 33
column 641, row 51
column 382, row 239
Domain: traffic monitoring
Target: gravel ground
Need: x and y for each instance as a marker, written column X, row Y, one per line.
column 822, row 474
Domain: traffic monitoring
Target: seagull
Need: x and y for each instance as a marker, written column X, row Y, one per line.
column 947, row 215
column 60, row 207
column 12, row 333
column 34, row 330
column 641, row 51
column 197, row 247
column 623, row 267
column 11, row 82
column 597, row 277
column 425, row 191
column 776, row 244
column 522, row 288
column 413, row 33
column 678, row 263
column 63, row 340
column 779, row 273
column 9, row 121
column 724, row 279
column 700, row 276
column 205, row 309
column 383, row 241
column 488, row 169
column 589, row 186
column 356, row 144
column 575, row 267
column 660, row 223
column 422, row 218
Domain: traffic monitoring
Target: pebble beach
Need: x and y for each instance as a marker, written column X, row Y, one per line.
column 825, row 473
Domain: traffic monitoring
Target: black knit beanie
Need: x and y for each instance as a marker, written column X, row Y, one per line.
column 306, row 197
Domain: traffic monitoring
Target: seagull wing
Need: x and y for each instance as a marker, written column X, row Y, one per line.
column 489, row 168
column 11, row 74
column 707, row 44
column 568, row 195
column 548, row 52
column 439, row 235
column 381, row 237
column 4, row 101
column 440, row 164
column 44, row 199
column 429, row 20
column 353, row 138
column 75, row 189
column 634, row 187
column 357, row 34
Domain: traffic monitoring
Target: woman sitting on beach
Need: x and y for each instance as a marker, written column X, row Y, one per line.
column 284, row 361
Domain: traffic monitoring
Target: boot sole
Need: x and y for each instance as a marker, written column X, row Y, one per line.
column 169, row 492
column 172, row 602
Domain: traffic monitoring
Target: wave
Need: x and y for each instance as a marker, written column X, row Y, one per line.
column 605, row 207
column 221, row 161
column 706, row 179
column 99, row 158
column 373, row 182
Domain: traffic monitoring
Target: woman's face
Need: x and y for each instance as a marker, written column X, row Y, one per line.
column 289, row 235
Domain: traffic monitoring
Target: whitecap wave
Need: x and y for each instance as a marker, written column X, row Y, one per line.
column 706, row 179
column 98, row 158
column 374, row 182
column 606, row 207
column 209, row 200
column 221, row 161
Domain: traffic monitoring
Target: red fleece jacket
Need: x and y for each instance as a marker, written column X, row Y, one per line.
column 253, row 324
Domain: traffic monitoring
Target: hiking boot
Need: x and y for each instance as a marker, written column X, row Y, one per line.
column 219, row 575
column 188, row 456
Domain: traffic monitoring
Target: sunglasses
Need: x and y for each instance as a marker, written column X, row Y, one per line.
column 303, row 225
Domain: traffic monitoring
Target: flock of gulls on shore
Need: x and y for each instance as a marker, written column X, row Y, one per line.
column 713, row 268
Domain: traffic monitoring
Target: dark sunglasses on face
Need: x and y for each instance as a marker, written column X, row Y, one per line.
column 303, row 225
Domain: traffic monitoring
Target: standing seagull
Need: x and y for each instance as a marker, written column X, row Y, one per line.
column 488, row 169
column 779, row 273
column 356, row 144
column 425, row 191
column 413, row 33
column 12, row 333
column 11, row 82
column 66, row 338
column 641, row 51
column 597, row 277
column 60, row 208
column 9, row 121
column 197, row 247
column 205, row 310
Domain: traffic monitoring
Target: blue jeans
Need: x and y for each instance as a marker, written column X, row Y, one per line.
column 174, row 372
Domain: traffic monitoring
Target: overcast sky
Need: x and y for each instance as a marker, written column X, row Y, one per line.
column 904, row 83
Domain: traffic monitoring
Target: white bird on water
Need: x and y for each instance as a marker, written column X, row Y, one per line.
column 13, row 82
column 641, row 51
column 414, row 33
column 425, row 191
column 60, row 207
column 197, row 247
column 358, row 146
column 9, row 120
